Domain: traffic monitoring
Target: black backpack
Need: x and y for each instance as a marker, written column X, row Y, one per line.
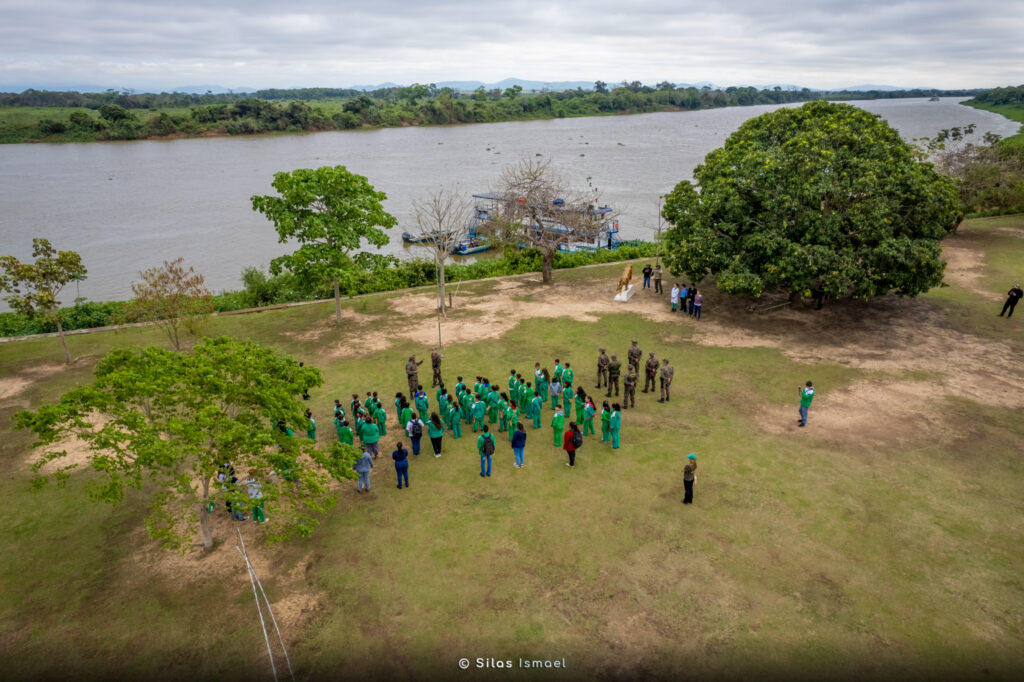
column 417, row 429
column 488, row 445
column 577, row 439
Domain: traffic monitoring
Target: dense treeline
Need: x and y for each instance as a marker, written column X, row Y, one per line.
column 380, row 273
column 125, row 116
column 1007, row 95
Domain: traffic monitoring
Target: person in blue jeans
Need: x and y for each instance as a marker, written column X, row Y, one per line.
column 698, row 303
column 806, row 396
column 519, row 444
column 647, row 276
column 401, row 457
column 362, row 467
column 485, row 446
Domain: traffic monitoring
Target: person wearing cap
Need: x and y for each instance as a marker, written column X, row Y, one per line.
column 1013, row 295
column 412, row 373
column 667, row 374
column 634, row 355
column 650, row 372
column 688, row 478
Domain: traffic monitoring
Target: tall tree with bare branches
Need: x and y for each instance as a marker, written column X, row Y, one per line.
column 445, row 217
column 540, row 207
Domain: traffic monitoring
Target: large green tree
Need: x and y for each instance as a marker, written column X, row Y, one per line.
column 329, row 211
column 33, row 288
column 821, row 200
column 166, row 423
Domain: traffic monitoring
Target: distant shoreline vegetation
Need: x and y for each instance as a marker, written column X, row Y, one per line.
column 45, row 116
column 1008, row 102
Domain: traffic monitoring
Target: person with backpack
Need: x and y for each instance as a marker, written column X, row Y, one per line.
column 485, row 446
column 614, row 425
column 414, row 427
column 435, row 429
column 519, row 444
column 557, row 425
column 401, row 457
column 572, row 442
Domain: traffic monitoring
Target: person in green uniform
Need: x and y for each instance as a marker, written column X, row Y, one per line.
column 606, row 416
column 441, row 390
column 581, row 403
column 478, row 411
column 567, row 399
column 442, row 402
column 354, row 403
column 513, row 384
column 806, row 396
column 369, row 434
column 614, row 369
column 466, row 402
column 422, row 404
column 588, row 417
column 455, row 421
column 525, row 395
column 398, row 406
column 544, row 383
column 344, row 431
column 614, row 425
column 502, row 408
column 406, row 414
column 568, row 375
column 556, row 392
column 536, row 409
column 339, row 411
column 435, row 429
column 512, row 418
column 629, row 388
column 311, row 427
column 492, row 400
column 557, row 426
column 283, row 428
column 558, row 371
column 460, row 387
column 381, row 417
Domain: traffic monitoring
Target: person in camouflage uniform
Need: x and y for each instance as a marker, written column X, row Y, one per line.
column 635, row 355
column 412, row 373
column 667, row 371
column 435, row 364
column 614, row 369
column 651, row 371
column 602, row 368
column 629, row 392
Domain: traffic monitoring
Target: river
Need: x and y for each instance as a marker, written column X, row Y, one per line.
column 127, row 206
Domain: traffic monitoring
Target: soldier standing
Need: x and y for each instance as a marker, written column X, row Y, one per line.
column 629, row 397
column 614, row 369
column 602, row 368
column 412, row 373
column 651, row 371
column 435, row 364
column 657, row 279
column 667, row 371
column 635, row 354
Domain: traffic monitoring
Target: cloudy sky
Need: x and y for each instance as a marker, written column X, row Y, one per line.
column 158, row 44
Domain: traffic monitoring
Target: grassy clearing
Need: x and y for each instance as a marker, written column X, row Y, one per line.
column 889, row 547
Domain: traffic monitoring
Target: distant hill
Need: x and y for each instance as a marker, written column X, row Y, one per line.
column 215, row 89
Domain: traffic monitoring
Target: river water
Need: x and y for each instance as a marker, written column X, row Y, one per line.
column 127, row 206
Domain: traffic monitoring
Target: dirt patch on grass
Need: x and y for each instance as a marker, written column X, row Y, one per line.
column 350, row 321
column 866, row 413
column 77, row 454
column 13, row 386
column 964, row 268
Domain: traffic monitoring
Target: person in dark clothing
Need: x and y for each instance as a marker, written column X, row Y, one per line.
column 688, row 478
column 1013, row 295
column 569, row 443
column 519, row 444
column 690, row 295
column 648, row 271
column 401, row 457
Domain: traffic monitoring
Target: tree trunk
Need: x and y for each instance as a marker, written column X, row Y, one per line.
column 337, row 302
column 440, row 294
column 547, row 261
column 63, row 342
column 204, row 516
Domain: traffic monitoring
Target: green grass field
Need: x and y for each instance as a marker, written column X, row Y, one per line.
column 883, row 540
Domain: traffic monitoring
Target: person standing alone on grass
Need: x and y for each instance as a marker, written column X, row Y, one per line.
column 362, row 468
column 485, row 446
column 572, row 442
column 648, row 271
column 1013, row 295
column 657, row 279
column 806, row 396
column 688, row 478
column 401, row 457
column 519, row 445
column 435, row 365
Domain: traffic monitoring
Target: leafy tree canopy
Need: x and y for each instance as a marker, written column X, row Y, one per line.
column 824, row 199
column 329, row 211
column 166, row 423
